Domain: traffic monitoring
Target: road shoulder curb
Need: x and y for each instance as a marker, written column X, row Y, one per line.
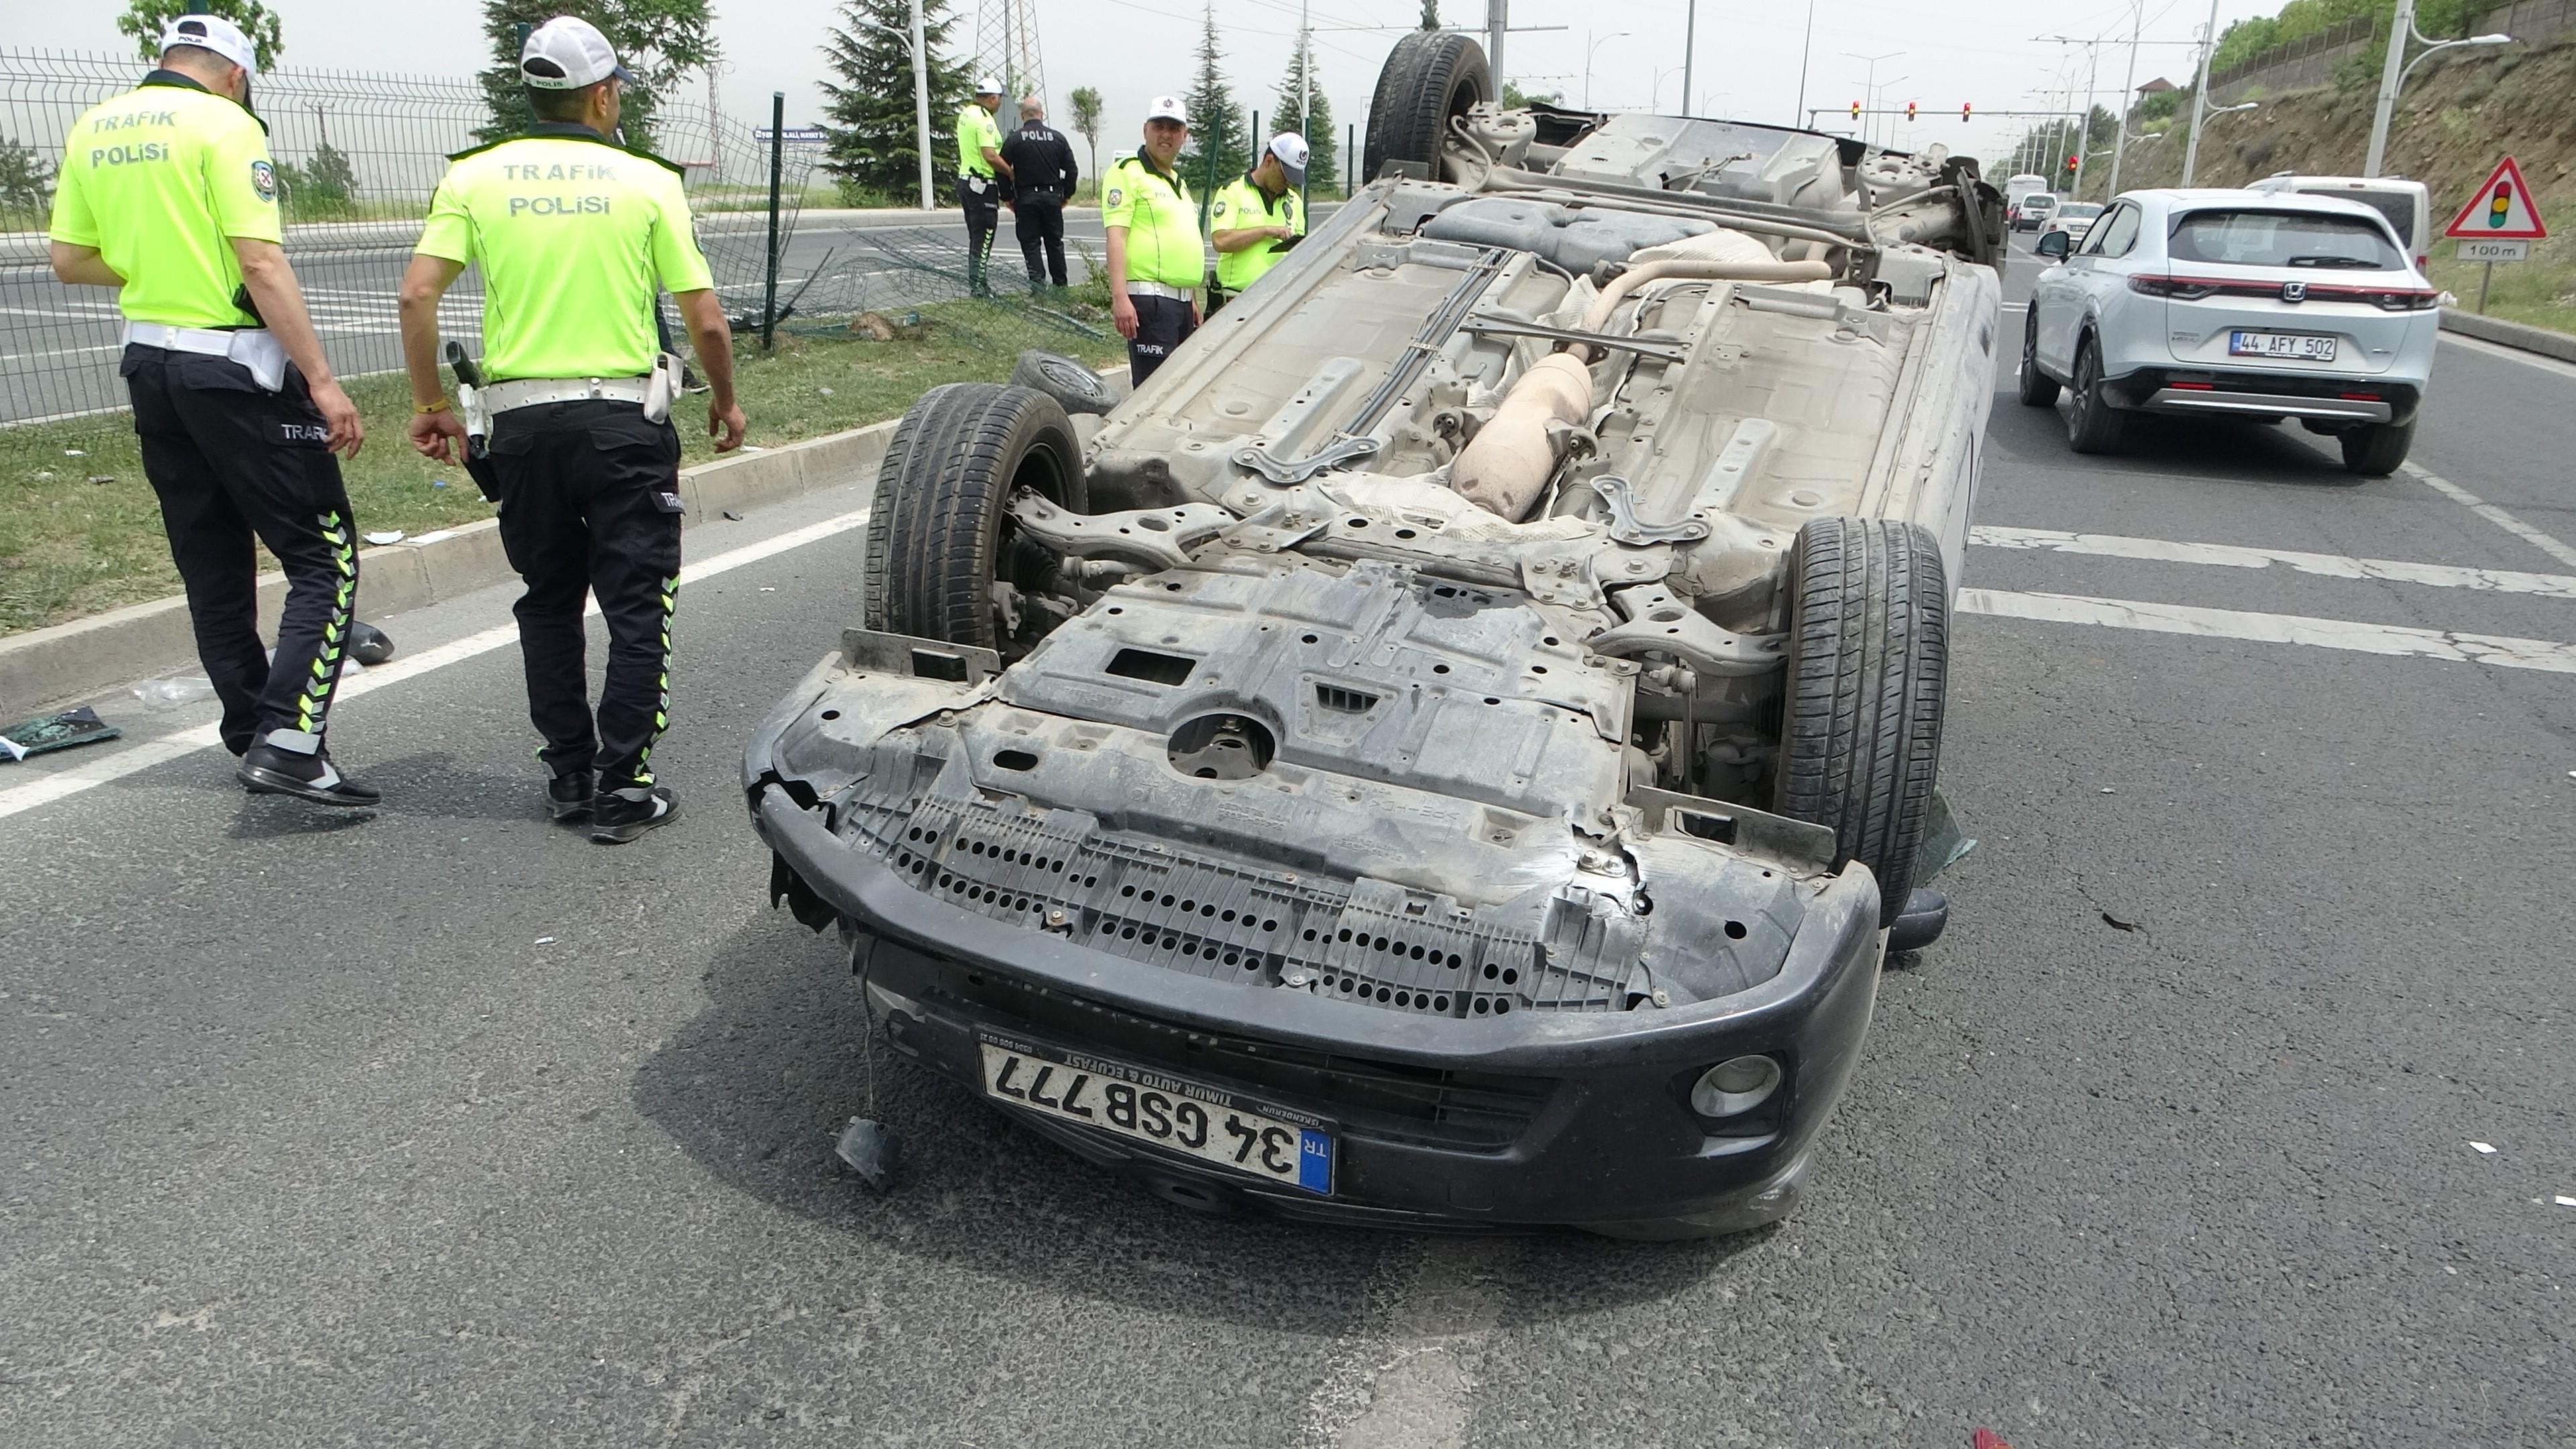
column 2560, row 345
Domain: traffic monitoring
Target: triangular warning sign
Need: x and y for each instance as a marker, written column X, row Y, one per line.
column 2503, row 208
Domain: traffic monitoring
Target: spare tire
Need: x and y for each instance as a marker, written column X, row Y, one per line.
column 1068, row 380
column 940, row 537
column 1860, row 726
column 1430, row 76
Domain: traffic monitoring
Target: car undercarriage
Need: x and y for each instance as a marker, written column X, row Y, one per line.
column 1452, row 749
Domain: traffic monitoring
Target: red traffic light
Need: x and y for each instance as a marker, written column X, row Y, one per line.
column 1909, row 110
column 2072, row 162
column 1855, row 110
column 1963, row 111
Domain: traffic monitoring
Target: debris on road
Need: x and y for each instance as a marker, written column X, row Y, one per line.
column 2564, row 1200
column 2116, row 924
column 49, row 732
column 545, row 940
column 867, row 1148
column 167, row 694
column 1988, row 1439
column 369, row 645
column 385, row 536
column 2107, row 790
column 2485, row 1149
column 732, row 516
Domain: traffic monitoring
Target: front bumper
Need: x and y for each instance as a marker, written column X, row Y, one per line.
column 1495, row 1122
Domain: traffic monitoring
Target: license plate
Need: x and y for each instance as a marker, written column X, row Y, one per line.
column 2290, row 346
column 1200, row 1122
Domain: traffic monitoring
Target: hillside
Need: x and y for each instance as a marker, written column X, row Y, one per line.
column 2459, row 113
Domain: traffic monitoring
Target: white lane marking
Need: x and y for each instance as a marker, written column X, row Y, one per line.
column 2491, row 513
column 1401, row 1382
column 2539, row 360
column 2505, row 652
column 2324, row 565
column 73, row 781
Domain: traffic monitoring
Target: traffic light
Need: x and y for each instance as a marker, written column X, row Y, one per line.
column 2072, row 162
column 1855, row 110
column 1909, row 110
column 1963, row 113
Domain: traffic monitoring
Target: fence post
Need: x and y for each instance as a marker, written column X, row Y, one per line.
column 1351, row 160
column 777, row 162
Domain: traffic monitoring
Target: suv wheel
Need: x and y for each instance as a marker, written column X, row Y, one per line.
column 945, row 561
column 1430, row 76
column 2038, row 389
column 1860, row 730
column 2092, row 424
column 2376, row 450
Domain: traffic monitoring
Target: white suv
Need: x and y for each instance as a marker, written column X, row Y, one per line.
column 2241, row 303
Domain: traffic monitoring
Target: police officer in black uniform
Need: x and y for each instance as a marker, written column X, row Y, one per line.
column 1043, row 177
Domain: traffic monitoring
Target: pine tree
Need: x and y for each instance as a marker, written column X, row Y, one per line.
column 1217, row 147
column 872, row 146
column 1323, row 163
column 656, row 40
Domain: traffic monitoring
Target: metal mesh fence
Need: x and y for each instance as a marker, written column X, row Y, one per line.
column 358, row 158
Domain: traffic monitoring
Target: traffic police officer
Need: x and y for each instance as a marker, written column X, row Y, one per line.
column 1156, row 260
column 168, row 193
column 1043, row 177
column 979, row 156
column 1257, row 217
column 574, row 234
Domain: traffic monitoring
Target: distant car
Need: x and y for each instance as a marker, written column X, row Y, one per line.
column 2033, row 211
column 2248, row 304
column 2073, row 218
column 2408, row 205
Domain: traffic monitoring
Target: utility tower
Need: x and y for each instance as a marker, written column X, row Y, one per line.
column 1006, row 44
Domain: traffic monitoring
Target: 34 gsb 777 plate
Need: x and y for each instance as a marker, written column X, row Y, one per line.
column 1203, row 1122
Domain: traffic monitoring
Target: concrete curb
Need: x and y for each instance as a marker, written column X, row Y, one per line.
column 2560, row 345
column 87, row 656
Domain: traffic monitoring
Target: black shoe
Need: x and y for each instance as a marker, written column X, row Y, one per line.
column 268, row 770
column 570, row 794
column 618, row 816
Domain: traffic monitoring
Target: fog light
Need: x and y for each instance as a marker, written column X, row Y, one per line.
column 1738, row 1084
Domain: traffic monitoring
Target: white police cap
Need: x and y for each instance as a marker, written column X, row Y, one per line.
column 987, row 86
column 212, row 32
column 567, row 53
column 1290, row 148
column 1167, row 108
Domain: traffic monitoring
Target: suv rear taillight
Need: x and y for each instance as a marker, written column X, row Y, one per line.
column 2180, row 289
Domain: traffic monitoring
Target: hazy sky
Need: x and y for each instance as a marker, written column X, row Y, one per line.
column 1748, row 54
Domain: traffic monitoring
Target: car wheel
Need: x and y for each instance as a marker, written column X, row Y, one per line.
column 1430, row 76
column 2376, row 450
column 945, row 561
column 1860, row 731
column 2038, row 389
column 1069, row 381
column 2092, row 424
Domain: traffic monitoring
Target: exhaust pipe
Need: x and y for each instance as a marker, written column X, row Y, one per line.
column 1502, row 469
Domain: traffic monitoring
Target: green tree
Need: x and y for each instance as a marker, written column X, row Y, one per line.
column 324, row 186
column 26, row 181
column 872, row 146
column 1217, row 145
column 1086, row 119
column 1514, row 96
column 144, row 19
column 656, row 40
column 1323, row 166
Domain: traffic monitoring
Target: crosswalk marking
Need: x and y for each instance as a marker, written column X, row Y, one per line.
column 2393, row 639
column 2323, row 565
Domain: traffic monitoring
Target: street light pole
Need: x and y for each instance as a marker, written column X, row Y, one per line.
column 2394, row 69
column 1497, row 20
column 1690, row 48
column 1592, row 47
column 921, row 101
column 2128, row 92
column 1806, row 53
column 2200, row 95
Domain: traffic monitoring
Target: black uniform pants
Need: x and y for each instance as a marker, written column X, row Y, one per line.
column 983, row 216
column 1039, row 220
column 590, row 506
column 1162, row 323
column 231, row 462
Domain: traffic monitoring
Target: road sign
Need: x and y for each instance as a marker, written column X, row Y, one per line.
column 2476, row 249
column 793, row 135
column 2502, row 208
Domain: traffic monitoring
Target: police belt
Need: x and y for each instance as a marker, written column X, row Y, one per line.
column 255, row 348
column 502, row 397
column 1157, row 289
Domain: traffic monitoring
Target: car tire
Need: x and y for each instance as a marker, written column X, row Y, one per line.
column 1860, row 727
column 2375, row 451
column 1430, row 76
column 1068, row 380
column 940, row 535
column 2092, row 424
column 2038, row 389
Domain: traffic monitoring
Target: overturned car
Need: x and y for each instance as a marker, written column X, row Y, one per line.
column 1450, row 749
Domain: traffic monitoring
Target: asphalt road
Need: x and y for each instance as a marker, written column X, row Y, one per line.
column 58, row 344
column 443, row 1126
